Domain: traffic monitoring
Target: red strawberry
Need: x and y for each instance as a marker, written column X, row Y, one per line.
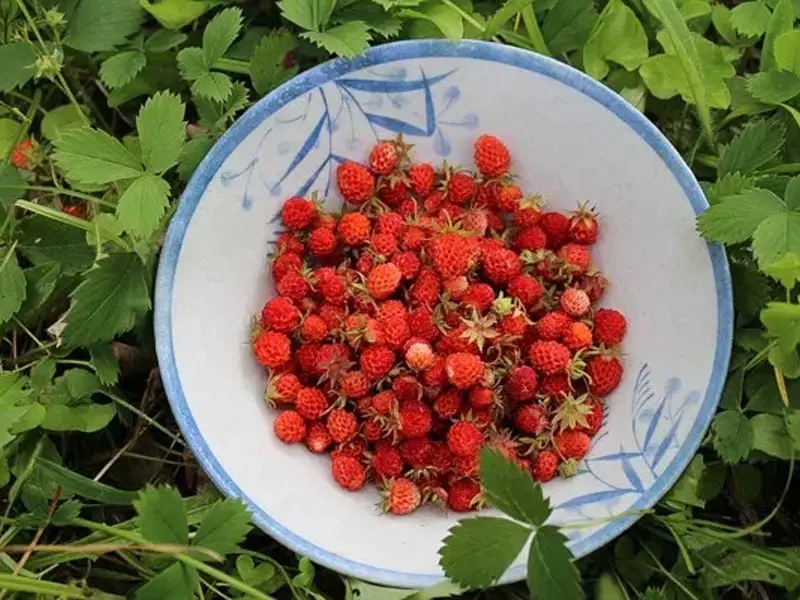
column 402, row 496
column 353, row 229
column 464, row 370
column 545, row 466
column 577, row 336
column 395, row 331
column 293, row 285
column 604, row 373
column 394, row 193
column 290, row 427
column 21, row 154
column 383, row 158
column 332, row 315
column 509, row 198
column 530, row 238
column 282, row 388
column 531, row 419
column 355, row 182
column 610, row 327
column 452, row 255
column 298, row 213
column 386, row 460
column 311, row 403
column 521, row 383
column 420, row 321
column 383, row 244
column 307, row 357
column 583, row 226
column 391, row 308
column 285, row 263
column 313, row 329
column 426, row 288
column 482, row 398
column 414, row 419
column 322, row 242
column 280, row 314
column 391, row 223
column 406, row 387
column 419, row 356
column 423, row 178
column 576, row 258
column 413, row 239
column 574, row 302
column 594, row 419
column 553, row 325
column 549, row 357
column 491, row 156
column 408, row 263
column 272, row 350
column 354, row 385
column 376, row 361
column 464, row 439
column 383, row 280
column 448, row 404
column 460, row 187
column 417, row 452
column 348, row 472
column 501, row 266
column 318, row 440
column 342, row 425
column 79, row 210
column 384, row 402
column 572, row 444
column 526, row 289
column 463, row 495
column 556, row 226
column 479, row 295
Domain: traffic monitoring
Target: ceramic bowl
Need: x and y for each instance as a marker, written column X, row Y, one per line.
column 572, row 140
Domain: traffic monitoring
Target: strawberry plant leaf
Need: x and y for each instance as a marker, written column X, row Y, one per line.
column 786, row 270
column 163, row 40
column 223, row 527
column 479, row 550
column 114, row 294
column 122, row 68
column 652, row 593
column 780, row 22
column 787, row 51
column 44, row 241
column 750, row 288
column 551, row 571
column 774, row 87
column 193, row 152
column 176, row 581
column 757, row 144
column 18, row 61
column 378, row 20
column 162, row 515
column 445, row 18
column 732, row 436
column 61, row 120
column 750, row 18
column 174, row 14
column 509, row 9
column 266, row 67
column 308, row 14
column 192, row 63
column 143, row 204
column 793, row 427
column 220, row 34
column 92, row 156
column 732, row 184
column 776, row 236
column 161, row 131
column 617, row 37
column 770, row 436
column 736, row 218
column 510, row 489
column 13, row 287
column 214, row 86
column 348, row 39
column 106, row 365
column 101, row 25
column 74, row 483
column 87, row 418
column 568, row 25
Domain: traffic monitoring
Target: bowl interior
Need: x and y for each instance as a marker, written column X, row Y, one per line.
column 572, row 140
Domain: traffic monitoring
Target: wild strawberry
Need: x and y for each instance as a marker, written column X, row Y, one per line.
column 354, row 385
column 391, row 223
column 574, row 302
column 289, row 242
column 463, row 495
column 460, row 187
column 521, row 383
column 78, row 210
column 313, row 329
column 553, row 325
column 413, row 239
column 456, row 287
column 383, row 158
column 549, row 357
column 572, row 444
column 332, row 315
column 577, row 336
column 464, row 438
column 394, row 193
column 325, row 220
column 311, row 403
column 342, row 425
column 434, row 202
column 298, row 213
column 416, row 452
column 514, row 325
column 509, row 198
column 384, row 402
column 423, row 178
column 426, row 288
column 528, row 213
column 479, row 296
column 414, row 419
column 401, row 496
column 482, row 398
column 556, row 226
column 283, row 388
column 545, row 466
column 594, row 284
column 501, row 266
column 529, row 238
column 355, row 182
column 386, row 460
column 383, row 244
column 583, row 226
column 604, row 373
column 376, row 361
column 475, row 221
column 594, row 418
column 526, row 289
column 21, row 154
column 353, row 229
column 318, row 440
column 466, row 466
column 383, row 280
column 348, row 472
column 576, row 258
column 307, row 357
column 448, row 404
column 290, row 427
column 420, row 356
column 451, row 255
column 365, row 262
column 491, row 156
column 395, row 332
column 280, row 314
column 555, row 387
column 408, row 263
column 293, row 285
column 464, row 370
column 531, row 419
column 420, row 321
column 272, row 349
column 610, row 327
column 406, row 387
column 372, row 430
column 322, row 242
column 285, row 263
column 391, row 308
column 486, row 194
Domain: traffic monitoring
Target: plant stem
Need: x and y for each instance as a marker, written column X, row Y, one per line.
column 534, row 33
column 57, row 190
column 231, row 65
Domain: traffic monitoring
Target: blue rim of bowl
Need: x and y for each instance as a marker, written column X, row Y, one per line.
column 396, row 51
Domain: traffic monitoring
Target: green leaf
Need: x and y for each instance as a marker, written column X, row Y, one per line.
column 93, row 156
column 771, row 436
column 224, row 527
column 721, row 18
column 163, row 40
column 192, row 63
column 74, row 483
column 757, row 144
column 308, row 14
column 767, row 566
column 42, row 374
column 774, row 87
column 787, row 51
column 712, row 480
column 510, row 489
column 162, row 516
column 121, row 68
column 45, row 241
column 10, row 132
column 446, row 19
column 176, row 582
column 751, row 289
column 214, row 86
column 736, row 218
column 782, row 321
column 61, row 120
column 266, row 64
column 174, row 14
column 15, row 408
column 18, row 61
column 193, row 152
column 568, row 25
column 106, row 365
column 505, row 13
column 479, row 550
column 220, row 33
column 786, row 270
column 732, row 436
column 551, row 572
column 776, row 236
column 793, row 427
column 11, row 186
column 87, row 418
column 13, row 286
column 750, row 18
column 618, row 37
column 161, row 131
column 109, row 301
column 781, row 21
column 685, row 490
column 347, row 40
column 101, row 25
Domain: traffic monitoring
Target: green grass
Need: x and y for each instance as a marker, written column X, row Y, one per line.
column 121, row 99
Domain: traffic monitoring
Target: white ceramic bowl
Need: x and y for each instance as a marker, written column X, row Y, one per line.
column 572, row 140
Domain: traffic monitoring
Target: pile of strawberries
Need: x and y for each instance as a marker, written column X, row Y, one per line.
column 443, row 311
